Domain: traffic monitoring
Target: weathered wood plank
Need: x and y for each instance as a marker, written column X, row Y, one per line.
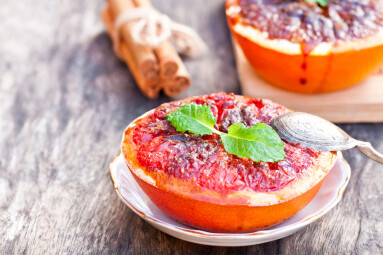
column 64, row 102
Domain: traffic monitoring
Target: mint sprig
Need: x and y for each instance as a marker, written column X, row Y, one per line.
column 259, row 142
column 197, row 119
column 322, row 3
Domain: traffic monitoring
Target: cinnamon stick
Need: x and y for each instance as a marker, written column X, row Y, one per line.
column 149, row 87
column 144, row 56
column 167, row 56
column 152, row 69
column 175, row 85
column 168, row 59
column 172, row 69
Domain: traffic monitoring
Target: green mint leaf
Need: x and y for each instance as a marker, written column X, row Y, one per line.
column 322, row 3
column 197, row 119
column 259, row 142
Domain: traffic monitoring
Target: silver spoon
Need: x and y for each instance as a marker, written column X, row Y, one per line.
column 314, row 132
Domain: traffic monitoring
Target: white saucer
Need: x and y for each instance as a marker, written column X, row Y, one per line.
column 131, row 194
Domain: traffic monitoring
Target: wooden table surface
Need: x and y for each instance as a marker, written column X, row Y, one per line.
column 65, row 100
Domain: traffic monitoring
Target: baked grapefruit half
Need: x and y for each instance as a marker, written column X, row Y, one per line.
column 195, row 181
column 303, row 47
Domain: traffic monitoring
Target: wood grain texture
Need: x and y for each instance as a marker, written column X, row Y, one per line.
column 64, row 102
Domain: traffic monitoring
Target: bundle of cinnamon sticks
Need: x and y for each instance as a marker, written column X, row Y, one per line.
column 153, row 69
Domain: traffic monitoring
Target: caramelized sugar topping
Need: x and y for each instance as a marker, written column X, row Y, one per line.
column 204, row 159
column 308, row 23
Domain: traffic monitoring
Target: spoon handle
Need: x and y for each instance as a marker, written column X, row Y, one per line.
column 367, row 149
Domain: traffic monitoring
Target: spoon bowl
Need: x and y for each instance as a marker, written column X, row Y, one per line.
column 314, row 132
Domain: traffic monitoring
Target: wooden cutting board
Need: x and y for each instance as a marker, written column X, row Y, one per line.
column 360, row 103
